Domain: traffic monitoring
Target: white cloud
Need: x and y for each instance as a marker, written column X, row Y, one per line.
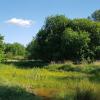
column 20, row 22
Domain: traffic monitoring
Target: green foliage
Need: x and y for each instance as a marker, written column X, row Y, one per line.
column 93, row 29
column 14, row 50
column 96, row 15
column 56, row 24
column 61, row 38
column 75, row 44
column 49, row 39
column 98, row 52
column 1, row 48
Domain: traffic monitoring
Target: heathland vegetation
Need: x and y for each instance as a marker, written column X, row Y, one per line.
column 60, row 63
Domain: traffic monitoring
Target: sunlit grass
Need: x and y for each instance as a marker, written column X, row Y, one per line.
column 63, row 81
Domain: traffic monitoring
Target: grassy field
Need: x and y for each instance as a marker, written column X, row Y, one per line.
column 19, row 81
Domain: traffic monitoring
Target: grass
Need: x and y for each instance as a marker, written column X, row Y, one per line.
column 50, row 82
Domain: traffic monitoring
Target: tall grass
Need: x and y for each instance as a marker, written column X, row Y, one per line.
column 55, row 82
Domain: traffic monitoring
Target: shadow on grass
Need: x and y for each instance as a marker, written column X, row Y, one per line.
column 94, row 74
column 69, row 67
column 95, row 78
column 85, row 95
column 16, row 93
column 27, row 64
column 88, row 70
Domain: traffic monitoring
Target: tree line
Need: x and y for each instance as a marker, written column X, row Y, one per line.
column 12, row 51
column 60, row 39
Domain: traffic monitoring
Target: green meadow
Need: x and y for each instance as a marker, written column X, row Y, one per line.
column 49, row 81
column 50, row 50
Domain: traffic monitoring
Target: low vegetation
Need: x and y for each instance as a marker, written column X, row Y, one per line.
column 51, row 82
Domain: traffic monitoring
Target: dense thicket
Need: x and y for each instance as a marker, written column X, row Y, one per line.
column 61, row 38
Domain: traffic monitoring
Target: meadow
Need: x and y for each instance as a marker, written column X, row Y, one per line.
column 24, row 81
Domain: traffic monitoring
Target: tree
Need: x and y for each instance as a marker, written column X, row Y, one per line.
column 32, row 50
column 75, row 44
column 47, row 45
column 61, row 38
column 14, row 50
column 93, row 29
column 1, row 48
column 96, row 15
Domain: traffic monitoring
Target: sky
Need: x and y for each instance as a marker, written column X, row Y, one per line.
column 20, row 20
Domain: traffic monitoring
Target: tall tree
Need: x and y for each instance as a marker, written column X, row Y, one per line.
column 95, row 15
column 47, row 44
column 61, row 38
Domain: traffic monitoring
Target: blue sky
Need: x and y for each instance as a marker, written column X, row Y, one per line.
column 20, row 20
